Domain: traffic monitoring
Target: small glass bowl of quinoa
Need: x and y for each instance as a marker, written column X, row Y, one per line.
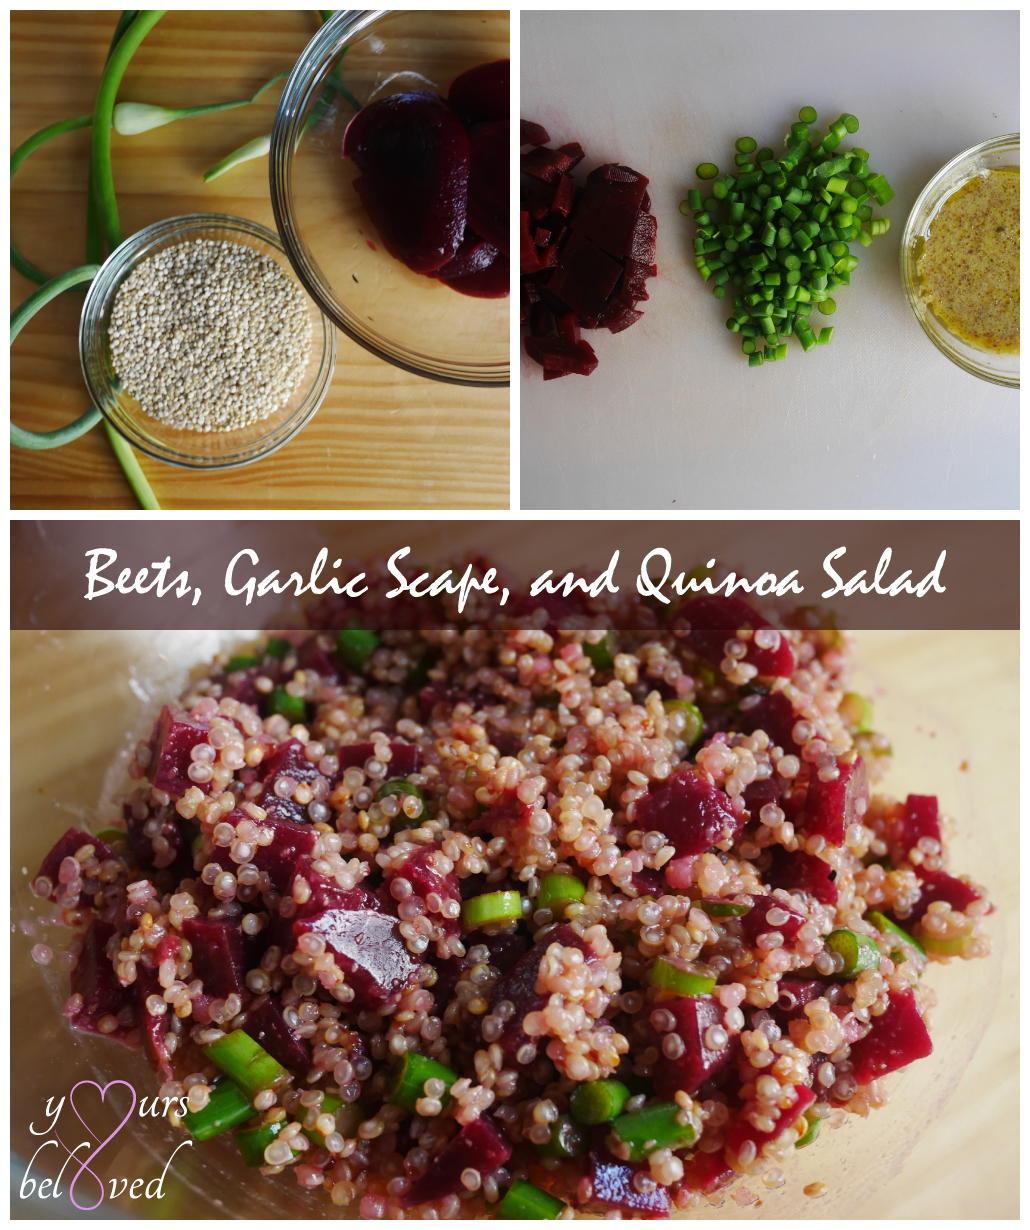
column 519, row 922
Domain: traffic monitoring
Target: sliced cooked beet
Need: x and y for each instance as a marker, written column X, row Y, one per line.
column 142, row 843
column 425, row 880
column 714, row 619
column 634, row 280
column 611, row 202
column 647, row 883
column 218, row 955
column 267, row 1026
column 561, row 358
column 289, row 842
column 755, row 922
column 370, row 950
column 95, row 980
column 698, row 1062
column 775, row 715
column 480, row 1146
column 921, row 819
column 692, row 813
column 707, row 1172
column 176, row 734
column 575, row 152
column 473, row 255
column 532, row 134
column 153, row 1029
column 794, row 994
column 802, row 871
column 65, row 847
column 618, row 316
column 413, row 154
column 940, row 886
column 585, row 279
column 744, row 1130
column 642, row 242
column 563, row 196
column 545, row 164
column 830, row 807
column 489, row 181
column 313, row 657
column 484, row 92
column 493, row 282
column 613, row 1186
column 403, row 757
column 897, row 1038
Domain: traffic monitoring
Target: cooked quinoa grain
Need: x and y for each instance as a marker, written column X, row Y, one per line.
column 210, row 335
column 439, row 886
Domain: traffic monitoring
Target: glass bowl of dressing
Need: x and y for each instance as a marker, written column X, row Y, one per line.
column 960, row 260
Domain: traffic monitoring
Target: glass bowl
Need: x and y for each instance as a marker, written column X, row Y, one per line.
column 988, row 156
column 83, row 699
column 196, row 450
column 408, row 319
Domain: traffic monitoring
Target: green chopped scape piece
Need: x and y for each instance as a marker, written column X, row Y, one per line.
column 857, row 712
column 329, row 1106
column 490, row 908
column 694, row 722
column 859, row 951
column 399, row 787
column 707, row 170
column 227, row 1108
column 291, row 707
column 721, row 908
column 600, row 654
column 568, row 1139
column 246, row 1063
column 112, row 835
column 408, row 1079
column 887, row 928
column 356, row 646
column 277, row 647
column 252, row 1142
column 654, row 1127
column 946, row 948
column 598, row 1101
column 811, row 1133
column 559, row 890
column 419, row 677
column 524, row 1202
column 682, row 978
column 241, row 662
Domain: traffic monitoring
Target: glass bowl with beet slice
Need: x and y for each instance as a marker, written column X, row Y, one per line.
column 403, row 242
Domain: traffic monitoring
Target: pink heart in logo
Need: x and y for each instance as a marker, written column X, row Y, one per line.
column 93, row 1155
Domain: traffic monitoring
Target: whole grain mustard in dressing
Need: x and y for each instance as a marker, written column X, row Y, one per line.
column 969, row 266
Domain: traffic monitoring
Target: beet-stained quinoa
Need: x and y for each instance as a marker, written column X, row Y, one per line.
column 733, row 933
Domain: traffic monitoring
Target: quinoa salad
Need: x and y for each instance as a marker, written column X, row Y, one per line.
column 517, row 922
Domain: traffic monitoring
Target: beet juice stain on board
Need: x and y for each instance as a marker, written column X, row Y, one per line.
column 791, row 204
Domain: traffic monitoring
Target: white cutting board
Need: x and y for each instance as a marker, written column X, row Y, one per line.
column 673, row 418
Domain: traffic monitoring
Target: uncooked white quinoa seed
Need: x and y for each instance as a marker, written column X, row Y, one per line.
column 210, row 335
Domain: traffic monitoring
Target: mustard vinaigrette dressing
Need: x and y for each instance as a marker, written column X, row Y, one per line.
column 969, row 266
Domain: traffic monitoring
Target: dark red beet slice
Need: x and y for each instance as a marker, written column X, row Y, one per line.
column 613, row 1187
column 529, row 261
column 794, row 994
column 425, row 880
column 141, row 844
column 532, row 134
column 575, row 151
column 707, row 1172
column 692, row 813
column 634, row 280
column 939, row 886
column 897, row 1038
column 153, row 1029
column 403, row 757
column 611, row 202
column 921, row 819
column 489, row 181
column 266, row 1025
column 369, row 949
column 217, row 955
column 714, row 619
column 642, row 242
column 413, row 154
column 484, row 92
column 563, row 195
column 742, row 1130
column 176, row 734
column 500, row 818
column 585, row 279
column 473, row 255
column 242, row 686
column 647, row 883
column 759, row 794
column 755, row 923
column 493, row 282
column 279, row 859
column 698, row 1062
column 561, row 358
column 775, row 715
column 65, row 847
column 480, row 1145
column 802, row 871
column 313, row 657
column 831, row 806
column 95, row 980
column 545, row 164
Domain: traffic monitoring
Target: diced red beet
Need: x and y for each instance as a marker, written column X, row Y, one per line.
column 413, row 153
column 545, row 164
column 489, row 178
column 288, row 759
column 493, row 282
column 176, row 734
column 707, row 1172
column 852, row 1026
column 692, row 813
column 794, row 994
column 698, row 1062
column 484, row 92
column 529, row 261
column 743, row 1130
column 480, row 1146
column 563, row 195
column 647, row 883
column 634, row 280
column 921, row 819
column 217, row 955
column 775, row 715
column 561, row 358
column 403, row 757
column 542, row 238
column 897, row 1038
column 267, row 1026
column 473, row 255
column 279, row 859
column 759, row 794
column 806, row 872
column 642, row 243
column 613, row 1186
column 242, row 687
column 71, row 840
column 313, row 657
column 755, row 923
column 611, row 203
column 575, row 152
column 940, row 886
column 369, row 949
column 618, row 316
column 153, row 1029
column 532, row 134
column 831, row 807
column 714, row 619
column 568, row 328
column 585, row 279
column 95, row 980
column 419, row 870
column 142, row 844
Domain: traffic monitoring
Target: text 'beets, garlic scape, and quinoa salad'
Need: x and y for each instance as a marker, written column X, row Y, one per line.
column 517, row 923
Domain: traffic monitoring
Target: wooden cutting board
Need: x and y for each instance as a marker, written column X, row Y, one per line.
column 382, row 438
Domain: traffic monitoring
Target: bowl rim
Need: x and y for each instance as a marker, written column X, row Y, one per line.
column 907, row 258
column 119, row 263
column 301, row 86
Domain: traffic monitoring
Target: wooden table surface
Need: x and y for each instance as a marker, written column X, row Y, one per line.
column 383, row 439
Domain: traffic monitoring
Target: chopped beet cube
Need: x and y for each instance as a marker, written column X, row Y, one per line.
column 613, row 1186
column 532, row 134
column 921, row 819
column 609, row 209
column 420, row 870
column 153, row 1029
column 313, row 657
column 634, row 280
column 647, row 883
column 484, row 92
column 143, row 845
column 743, row 1130
column 289, row 760
column 267, row 1026
column 831, row 807
column 585, row 279
column 279, row 859
column 369, row 949
column 176, row 734
column 413, row 154
column 403, row 757
column 692, row 813
column 698, row 1062
column 568, row 328
column 707, row 1172
column 794, row 994
column 242, row 686
column 480, row 1145
column 759, row 794
column 618, row 316
column 561, row 358
column 897, row 1038
column 217, row 955
column 493, row 282
column 939, row 886
column 642, row 243
column 563, row 194
column 545, row 164
column 95, row 980
column 474, row 255
column 65, row 847
column 715, row 619
column 529, row 262
column 806, row 872
column 775, row 715
column 575, row 152
column 489, row 173
column 755, row 922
